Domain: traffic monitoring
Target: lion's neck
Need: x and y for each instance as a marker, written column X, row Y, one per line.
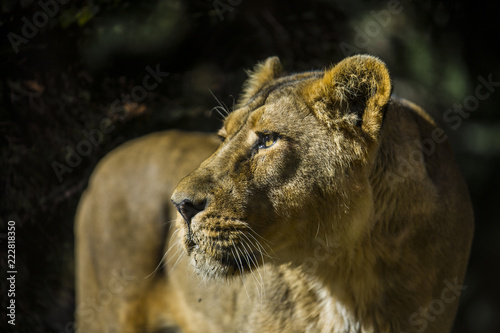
column 367, row 284
column 355, row 290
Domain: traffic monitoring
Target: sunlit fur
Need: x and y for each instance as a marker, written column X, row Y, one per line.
column 344, row 220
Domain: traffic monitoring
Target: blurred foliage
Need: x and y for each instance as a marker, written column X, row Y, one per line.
column 88, row 54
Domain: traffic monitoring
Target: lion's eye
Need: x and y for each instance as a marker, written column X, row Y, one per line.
column 221, row 138
column 222, row 134
column 266, row 140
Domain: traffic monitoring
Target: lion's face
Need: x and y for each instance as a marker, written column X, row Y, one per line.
column 292, row 166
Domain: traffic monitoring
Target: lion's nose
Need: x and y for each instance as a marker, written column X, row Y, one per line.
column 188, row 209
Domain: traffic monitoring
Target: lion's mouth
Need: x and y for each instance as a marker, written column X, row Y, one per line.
column 217, row 261
column 222, row 247
column 190, row 243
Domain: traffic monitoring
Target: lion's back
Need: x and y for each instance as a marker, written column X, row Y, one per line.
column 121, row 225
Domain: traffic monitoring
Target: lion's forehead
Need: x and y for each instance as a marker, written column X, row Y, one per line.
column 279, row 97
column 278, row 114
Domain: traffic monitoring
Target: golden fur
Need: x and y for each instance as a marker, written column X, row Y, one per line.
column 329, row 206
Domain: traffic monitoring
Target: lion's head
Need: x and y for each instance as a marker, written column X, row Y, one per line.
column 293, row 164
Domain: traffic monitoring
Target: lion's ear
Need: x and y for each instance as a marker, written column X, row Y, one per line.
column 262, row 73
column 356, row 90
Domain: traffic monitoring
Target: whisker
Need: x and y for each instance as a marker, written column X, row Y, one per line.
column 179, row 249
column 261, row 247
column 167, row 222
column 220, row 107
column 257, row 234
column 255, row 261
column 249, row 258
column 241, row 273
column 239, row 259
column 243, row 242
column 200, row 281
column 258, row 283
column 249, row 243
column 162, row 260
column 177, row 261
column 178, row 254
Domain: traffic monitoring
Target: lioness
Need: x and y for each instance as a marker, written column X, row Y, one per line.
column 325, row 206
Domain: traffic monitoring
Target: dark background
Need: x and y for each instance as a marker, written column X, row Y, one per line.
column 65, row 79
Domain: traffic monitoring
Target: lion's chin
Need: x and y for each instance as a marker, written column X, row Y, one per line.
column 210, row 267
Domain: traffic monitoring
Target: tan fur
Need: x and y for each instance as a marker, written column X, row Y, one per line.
column 349, row 216
column 261, row 74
